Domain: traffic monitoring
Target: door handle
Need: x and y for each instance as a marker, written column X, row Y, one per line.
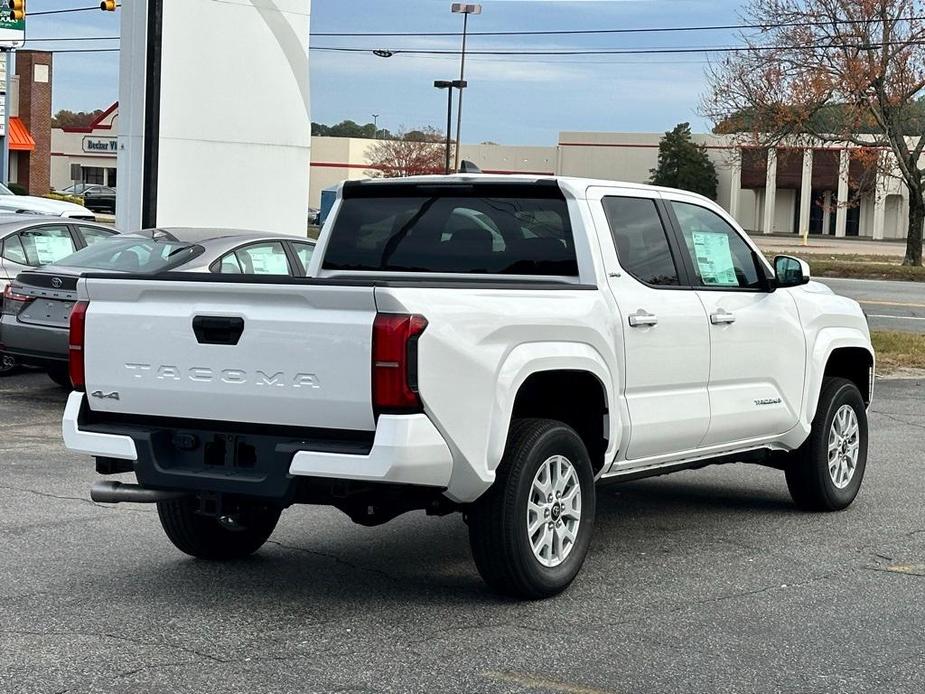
column 722, row 317
column 642, row 318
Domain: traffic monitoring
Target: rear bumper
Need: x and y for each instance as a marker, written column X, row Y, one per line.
column 36, row 344
column 406, row 449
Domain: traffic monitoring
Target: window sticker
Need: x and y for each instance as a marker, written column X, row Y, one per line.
column 714, row 259
column 51, row 248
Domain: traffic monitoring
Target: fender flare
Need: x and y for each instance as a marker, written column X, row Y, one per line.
column 531, row 358
column 827, row 341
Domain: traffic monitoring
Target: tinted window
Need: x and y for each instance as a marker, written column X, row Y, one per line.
column 47, row 244
column 518, row 235
column 720, row 256
column 304, row 252
column 132, row 254
column 641, row 240
column 93, row 234
column 259, row 259
column 12, row 250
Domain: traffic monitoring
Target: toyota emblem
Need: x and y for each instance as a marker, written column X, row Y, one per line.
column 56, row 282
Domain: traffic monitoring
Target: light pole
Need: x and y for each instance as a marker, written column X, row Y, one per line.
column 375, row 124
column 465, row 10
column 449, row 85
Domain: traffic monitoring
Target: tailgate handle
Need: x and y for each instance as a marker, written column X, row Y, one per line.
column 218, row 330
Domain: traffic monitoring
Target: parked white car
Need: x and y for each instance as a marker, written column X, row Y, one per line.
column 489, row 345
column 10, row 202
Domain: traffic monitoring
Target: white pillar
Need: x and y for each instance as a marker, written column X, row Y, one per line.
column 214, row 122
column 841, row 211
column 879, row 213
column 770, row 192
column 735, row 184
column 806, row 191
column 826, row 211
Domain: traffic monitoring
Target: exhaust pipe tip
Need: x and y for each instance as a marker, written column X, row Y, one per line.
column 117, row 492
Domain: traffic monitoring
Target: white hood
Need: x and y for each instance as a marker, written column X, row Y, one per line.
column 58, row 208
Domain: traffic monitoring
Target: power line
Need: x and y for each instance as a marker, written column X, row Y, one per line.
column 72, row 9
column 627, row 30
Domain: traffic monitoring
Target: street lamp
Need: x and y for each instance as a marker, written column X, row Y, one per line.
column 375, row 124
column 465, row 10
column 449, row 85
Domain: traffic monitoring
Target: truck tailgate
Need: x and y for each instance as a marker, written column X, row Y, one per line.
column 286, row 354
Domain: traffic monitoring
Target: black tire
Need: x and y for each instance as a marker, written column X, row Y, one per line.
column 60, row 375
column 206, row 538
column 8, row 364
column 498, row 520
column 808, row 478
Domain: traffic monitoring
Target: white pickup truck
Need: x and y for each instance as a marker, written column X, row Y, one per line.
column 483, row 344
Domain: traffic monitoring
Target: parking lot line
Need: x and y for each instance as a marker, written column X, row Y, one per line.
column 534, row 682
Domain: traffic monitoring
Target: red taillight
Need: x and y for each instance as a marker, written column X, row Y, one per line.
column 75, row 344
column 13, row 301
column 395, row 362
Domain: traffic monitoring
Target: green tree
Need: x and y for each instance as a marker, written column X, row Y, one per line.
column 349, row 128
column 684, row 164
column 74, row 119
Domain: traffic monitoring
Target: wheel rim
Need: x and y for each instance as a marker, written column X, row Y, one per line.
column 844, row 446
column 554, row 510
column 7, row 363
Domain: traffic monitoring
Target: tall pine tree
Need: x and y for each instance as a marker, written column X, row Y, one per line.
column 683, row 164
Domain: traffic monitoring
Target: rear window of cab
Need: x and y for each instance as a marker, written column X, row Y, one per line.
column 454, row 229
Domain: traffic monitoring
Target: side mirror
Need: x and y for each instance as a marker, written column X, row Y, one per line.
column 790, row 271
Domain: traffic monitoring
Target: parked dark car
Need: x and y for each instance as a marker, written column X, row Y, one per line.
column 37, row 305
column 28, row 241
column 97, row 198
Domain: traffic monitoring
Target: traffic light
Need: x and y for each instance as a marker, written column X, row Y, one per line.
column 108, row 5
column 17, row 10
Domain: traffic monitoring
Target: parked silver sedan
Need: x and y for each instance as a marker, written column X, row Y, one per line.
column 37, row 304
column 28, row 240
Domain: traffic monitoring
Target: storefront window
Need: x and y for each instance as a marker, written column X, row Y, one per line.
column 93, row 174
column 111, row 178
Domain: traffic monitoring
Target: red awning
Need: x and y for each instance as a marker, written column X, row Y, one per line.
column 20, row 137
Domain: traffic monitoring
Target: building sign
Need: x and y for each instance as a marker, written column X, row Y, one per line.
column 100, row 145
column 12, row 32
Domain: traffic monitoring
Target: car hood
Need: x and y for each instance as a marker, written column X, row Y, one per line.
column 45, row 205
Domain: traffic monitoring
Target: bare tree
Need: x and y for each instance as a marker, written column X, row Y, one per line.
column 411, row 153
column 846, row 72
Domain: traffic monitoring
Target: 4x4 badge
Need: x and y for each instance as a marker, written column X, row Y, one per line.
column 114, row 395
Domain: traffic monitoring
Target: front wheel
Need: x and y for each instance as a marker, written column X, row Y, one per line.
column 531, row 531
column 825, row 473
column 208, row 537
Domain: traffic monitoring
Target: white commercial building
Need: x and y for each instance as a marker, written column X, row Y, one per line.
column 787, row 190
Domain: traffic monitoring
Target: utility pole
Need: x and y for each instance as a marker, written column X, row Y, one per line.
column 465, row 10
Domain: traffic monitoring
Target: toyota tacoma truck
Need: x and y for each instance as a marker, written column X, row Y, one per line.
column 487, row 345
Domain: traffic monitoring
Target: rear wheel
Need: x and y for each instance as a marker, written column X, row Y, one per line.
column 208, row 537
column 825, row 473
column 60, row 375
column 531, row 531
column 8, row 364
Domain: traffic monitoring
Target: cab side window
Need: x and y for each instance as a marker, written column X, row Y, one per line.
column 304, row 252
column 720, row 257
column 641, row 240
column 47, row 244
column 257, row 259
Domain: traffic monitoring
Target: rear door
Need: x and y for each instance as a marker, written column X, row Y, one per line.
column 268, row 351
column 758, row 347
column 666, row 340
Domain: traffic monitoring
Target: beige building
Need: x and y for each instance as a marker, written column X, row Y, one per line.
column 788, row 190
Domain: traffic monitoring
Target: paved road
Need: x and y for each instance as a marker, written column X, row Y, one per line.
column 700, row 581
column 889, row 305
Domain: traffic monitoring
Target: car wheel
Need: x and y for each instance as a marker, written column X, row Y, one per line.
column 530, row 532
column 60, row 375
column 825, row 473
column 208, row 537
column 8, row 364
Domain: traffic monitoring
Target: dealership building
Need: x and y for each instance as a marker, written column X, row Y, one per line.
column 823, row 189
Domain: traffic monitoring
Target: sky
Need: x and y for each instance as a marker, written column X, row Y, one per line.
column 524, row 100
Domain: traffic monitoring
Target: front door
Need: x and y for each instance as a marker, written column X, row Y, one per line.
column 665, row 331
column 758, row 348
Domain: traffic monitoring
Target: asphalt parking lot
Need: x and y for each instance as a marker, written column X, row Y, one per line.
column 700, row 581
